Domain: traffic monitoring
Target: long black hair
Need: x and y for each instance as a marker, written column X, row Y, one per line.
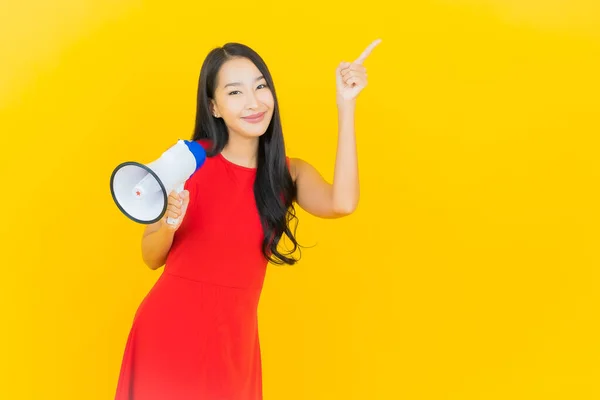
column 274, row 189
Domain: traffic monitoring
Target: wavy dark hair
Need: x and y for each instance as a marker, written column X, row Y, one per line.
column 274, row 189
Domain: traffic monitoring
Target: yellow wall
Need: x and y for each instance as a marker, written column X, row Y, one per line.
column 470, row 270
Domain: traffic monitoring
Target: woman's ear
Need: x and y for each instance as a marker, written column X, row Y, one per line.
column 213, row 109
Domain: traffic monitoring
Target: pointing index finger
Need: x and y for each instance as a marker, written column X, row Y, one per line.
column 367, row 51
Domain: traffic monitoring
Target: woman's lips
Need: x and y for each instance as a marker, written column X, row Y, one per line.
column 254, row 118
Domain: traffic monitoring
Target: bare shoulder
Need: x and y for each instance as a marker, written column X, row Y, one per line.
column 299, row 167
column 292, row 166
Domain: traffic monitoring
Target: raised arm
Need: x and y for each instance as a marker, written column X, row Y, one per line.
column 340, row 198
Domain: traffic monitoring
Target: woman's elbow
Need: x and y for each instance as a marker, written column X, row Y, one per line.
column 153, row 264
column 345, row 209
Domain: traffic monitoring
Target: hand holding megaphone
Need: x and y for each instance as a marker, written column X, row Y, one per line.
column 143, row 192
column 177, row 204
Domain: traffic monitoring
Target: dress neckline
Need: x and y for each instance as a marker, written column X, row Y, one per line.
column 242, row 167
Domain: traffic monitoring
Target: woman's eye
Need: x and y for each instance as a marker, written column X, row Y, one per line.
column 261, row 86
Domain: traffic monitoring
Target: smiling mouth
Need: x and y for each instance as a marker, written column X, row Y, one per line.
column 254, row 117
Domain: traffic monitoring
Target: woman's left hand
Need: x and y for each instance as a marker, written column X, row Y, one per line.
column 351, row 78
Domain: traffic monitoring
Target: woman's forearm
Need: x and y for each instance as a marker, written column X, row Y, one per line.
column 345, row 182
column 156, row 244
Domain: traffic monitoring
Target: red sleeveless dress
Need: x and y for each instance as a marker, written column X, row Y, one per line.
column 195, row 334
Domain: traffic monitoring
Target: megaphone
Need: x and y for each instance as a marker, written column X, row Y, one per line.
column 141, row 191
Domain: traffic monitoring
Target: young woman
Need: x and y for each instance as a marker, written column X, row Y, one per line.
column 195, row 335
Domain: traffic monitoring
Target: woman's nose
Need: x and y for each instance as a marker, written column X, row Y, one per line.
column 251, row 101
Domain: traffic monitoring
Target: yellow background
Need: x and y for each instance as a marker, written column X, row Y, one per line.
column 470, row 270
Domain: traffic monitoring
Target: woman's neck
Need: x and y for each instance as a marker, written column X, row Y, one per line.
column 241, row 150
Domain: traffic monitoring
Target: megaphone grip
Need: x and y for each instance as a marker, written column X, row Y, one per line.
column 175, row 221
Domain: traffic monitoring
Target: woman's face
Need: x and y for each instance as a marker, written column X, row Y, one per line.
column 242, row 98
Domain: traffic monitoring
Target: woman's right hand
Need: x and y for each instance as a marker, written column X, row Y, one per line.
column 176, row 207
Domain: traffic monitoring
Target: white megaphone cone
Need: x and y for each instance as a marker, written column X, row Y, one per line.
column 141, row 191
